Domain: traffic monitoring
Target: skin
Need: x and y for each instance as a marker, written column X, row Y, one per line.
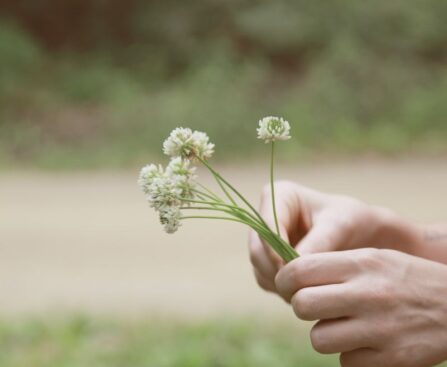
column 376, row 283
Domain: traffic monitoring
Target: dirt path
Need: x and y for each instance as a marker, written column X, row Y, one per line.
column 88, row 242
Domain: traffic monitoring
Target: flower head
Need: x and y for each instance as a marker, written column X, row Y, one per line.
column 180, row 167
column 184, row 143
column 170, row 218
column 164, row 192
column 273, row 128
column 147, row 175
column 183, row 176
column 202, row 146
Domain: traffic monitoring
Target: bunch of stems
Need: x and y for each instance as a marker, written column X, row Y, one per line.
column 238, row 209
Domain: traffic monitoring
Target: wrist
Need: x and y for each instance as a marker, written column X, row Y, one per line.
column 396, row 233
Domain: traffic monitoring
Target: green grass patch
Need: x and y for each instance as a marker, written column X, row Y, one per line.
column 85, row 341
column 80, row 342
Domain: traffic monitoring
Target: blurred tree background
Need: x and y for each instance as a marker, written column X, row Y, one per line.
column 88, row 83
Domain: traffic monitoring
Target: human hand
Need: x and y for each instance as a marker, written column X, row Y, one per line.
column 318, row 222
column 376, row 307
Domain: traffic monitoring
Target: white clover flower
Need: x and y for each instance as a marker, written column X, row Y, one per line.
column 170, row 218
column 183, row 176
column 180, row 167
column 147, row 175
column 273, row 128
column 164, row 192
column 185, row 187
column 203, row 148
column 183, row 142
column 179, row 143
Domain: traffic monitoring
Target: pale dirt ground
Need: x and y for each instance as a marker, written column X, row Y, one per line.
column 87, row 242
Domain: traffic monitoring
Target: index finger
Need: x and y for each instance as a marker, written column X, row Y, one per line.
column 261, row 258
column 314, row 270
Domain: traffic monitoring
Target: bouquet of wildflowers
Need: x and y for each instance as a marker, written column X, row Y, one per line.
column 176, row 195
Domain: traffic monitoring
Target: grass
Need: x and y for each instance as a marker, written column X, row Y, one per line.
column 80, row 342
column 83, row 341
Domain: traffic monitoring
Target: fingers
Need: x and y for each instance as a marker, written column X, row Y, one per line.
column 314, row 270
column 326, row 235
column 288, row 209
column 285, row 202
column 262, row 261
column 265, row 283
column 293, row 210
column 364, row 357
column 325, row 302
column 340, row 336
column 264, row 258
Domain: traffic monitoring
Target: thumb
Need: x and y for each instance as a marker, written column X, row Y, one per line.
column 323, row 237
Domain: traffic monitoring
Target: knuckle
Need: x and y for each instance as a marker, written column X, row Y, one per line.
column 255, row 255
column 302, row 304
column 263, row 283
column 383, row 295
column 319, row 340
column 288, row 274
column 303, row 266
column 281, row 286
column 298, row 270
column 279, row 280
column 369, row 258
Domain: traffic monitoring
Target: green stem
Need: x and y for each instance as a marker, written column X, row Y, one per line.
column 254, row 220
column 243, row 217
column 203, row 208
column 211, row 193
column 212, row 217
column 205, row 195
column 218, row 176
column 233, row 207
column 212, row 203
column 265, row 233
column 272, row 186
column 282, row 248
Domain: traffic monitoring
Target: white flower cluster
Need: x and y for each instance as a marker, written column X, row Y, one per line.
column 188, row 144
column 147, row 176
column 170, row 217
column 273, row 128
column 167, row 190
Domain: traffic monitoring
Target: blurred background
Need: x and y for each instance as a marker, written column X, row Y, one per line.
column 88, row 92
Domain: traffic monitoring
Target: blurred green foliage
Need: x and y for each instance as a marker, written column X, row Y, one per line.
column 81, row 341
column 84, row 342
column 96, row 83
